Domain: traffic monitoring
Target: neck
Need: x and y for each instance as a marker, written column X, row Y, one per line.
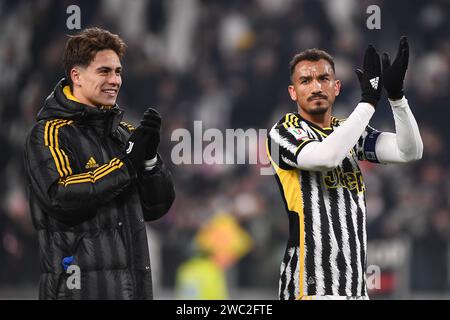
column 322, row 120
column 80, row 98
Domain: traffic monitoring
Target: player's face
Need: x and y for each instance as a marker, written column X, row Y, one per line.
column 98, row 84
column 314, row 86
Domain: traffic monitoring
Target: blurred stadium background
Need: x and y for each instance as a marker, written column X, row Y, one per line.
column 226, row 63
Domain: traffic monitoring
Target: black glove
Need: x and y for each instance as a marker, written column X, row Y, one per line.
column 370, row 77
column 152, row 122
column 136, row 148
column 394, row 75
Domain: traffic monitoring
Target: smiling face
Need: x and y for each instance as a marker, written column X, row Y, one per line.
column 314, row 87
column 98, row 84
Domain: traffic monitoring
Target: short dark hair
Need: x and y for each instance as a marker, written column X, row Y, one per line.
column 81, row 48
column 311, row 55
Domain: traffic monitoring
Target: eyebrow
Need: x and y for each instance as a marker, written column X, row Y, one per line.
column 326, row 74
column 108, row 68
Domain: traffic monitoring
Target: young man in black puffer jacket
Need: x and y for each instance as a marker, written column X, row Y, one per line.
column 94, row 180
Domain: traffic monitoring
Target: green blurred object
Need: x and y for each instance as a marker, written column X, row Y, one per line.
column 200, row 278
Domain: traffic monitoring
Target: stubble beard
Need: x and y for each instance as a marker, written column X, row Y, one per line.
column 318, row 109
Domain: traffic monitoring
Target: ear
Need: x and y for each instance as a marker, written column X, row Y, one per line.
column 75, row 75
column 292, row 92
column 337, row 87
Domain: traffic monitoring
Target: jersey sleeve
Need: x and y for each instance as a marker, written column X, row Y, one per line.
column 285, row 141
column 365, row 148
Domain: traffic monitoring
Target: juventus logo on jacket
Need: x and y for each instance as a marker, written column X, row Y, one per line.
column 130, row 147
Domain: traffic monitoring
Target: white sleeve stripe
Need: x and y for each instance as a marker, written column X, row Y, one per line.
column 288, row 162
column 283, row 142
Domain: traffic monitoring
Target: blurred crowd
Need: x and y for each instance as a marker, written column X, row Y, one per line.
column 226, row 63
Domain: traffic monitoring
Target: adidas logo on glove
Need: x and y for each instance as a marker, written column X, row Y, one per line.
column 374, row 82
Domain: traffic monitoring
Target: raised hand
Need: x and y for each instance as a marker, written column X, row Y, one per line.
column 394, row 74
column 370, row 77
column 152, row 121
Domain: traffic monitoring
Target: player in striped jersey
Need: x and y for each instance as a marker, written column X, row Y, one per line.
column 316, row 156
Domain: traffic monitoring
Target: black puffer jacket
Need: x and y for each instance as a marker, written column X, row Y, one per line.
column 87, row 206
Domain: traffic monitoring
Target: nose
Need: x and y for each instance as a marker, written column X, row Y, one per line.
column 317, row 86
column 115, row 79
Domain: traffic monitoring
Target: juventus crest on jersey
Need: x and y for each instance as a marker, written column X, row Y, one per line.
column 326, row 250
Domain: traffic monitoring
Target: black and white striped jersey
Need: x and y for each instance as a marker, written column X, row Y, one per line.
column 326, row 251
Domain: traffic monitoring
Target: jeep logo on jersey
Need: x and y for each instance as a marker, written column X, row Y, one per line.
column 349, row 179
column 298, row 133
column 130, row 147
